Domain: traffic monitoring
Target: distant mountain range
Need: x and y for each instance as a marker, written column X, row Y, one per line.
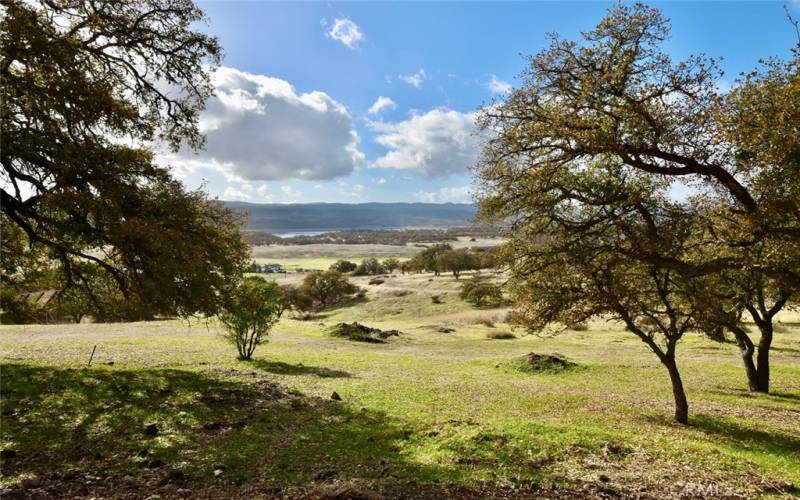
column 308, row 217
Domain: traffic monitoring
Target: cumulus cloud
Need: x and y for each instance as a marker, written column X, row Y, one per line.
column 380, row 104
column 381, row 181
column 259, row 128
column 359, row 188
column 498, row 86
column 414, row 79
column 462, row 194
column 434, row 144
column 345, row 31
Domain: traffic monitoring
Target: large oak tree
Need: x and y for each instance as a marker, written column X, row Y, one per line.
column 615, row 99
column 87, row 86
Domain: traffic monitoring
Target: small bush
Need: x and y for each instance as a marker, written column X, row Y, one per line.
column 343, row 266
column 481, row 293
column 500, row 335
column 249, row 311
column 369, row 267
column 436, row 299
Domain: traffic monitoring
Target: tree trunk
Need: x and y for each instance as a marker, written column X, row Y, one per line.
column 762, row 358
column 681, row 404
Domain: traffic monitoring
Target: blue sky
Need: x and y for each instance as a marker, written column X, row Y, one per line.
column 355, row 102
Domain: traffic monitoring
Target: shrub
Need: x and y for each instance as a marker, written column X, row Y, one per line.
column 369, row 267
column 249, row 311
column 343, row 266
column 321, row 290
column 500, row 335
column 436, row 299
column 391, row 264
column 481, row 293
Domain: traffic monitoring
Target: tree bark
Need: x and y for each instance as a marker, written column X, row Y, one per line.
column 681, row 403
column 762, row 358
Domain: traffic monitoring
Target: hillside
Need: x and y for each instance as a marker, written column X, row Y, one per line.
column 275, row 217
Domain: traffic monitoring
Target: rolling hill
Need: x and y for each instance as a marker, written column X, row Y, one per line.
column 281, row 218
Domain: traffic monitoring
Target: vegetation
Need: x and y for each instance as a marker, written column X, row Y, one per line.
column 101, row 213
column 369, row 267
column 433, row 407
column 249, row 312
column 343, row 266
column 320, row 290
column 390, row 264
column 581, row 162
column 480, row 292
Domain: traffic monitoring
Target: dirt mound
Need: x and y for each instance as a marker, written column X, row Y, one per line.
column 362, row 333
column 533, row 362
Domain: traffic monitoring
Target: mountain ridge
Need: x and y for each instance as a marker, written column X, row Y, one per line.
column 323, row 216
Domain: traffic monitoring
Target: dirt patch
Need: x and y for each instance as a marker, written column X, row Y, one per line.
column 535, row 363
column 361, row 333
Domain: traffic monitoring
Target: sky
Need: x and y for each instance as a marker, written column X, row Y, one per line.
column 358, row 102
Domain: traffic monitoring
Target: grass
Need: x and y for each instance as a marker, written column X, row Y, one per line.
column 430, row 414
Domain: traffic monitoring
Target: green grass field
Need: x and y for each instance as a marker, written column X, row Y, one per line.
column 427, row 414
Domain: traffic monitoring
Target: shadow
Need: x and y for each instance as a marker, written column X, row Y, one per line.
column 281, row 368
column 775, row 443
column 744, row 393
column 162, row 431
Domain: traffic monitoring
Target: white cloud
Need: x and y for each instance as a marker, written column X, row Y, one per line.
column 436, row 143
column 345, row 31
column 461, row 194
column 359, row 188
column 259, row 128
column 498, row 86
column 290, row 193
column 380, row 104
column 233, row 194
column 414, row 79
column 381, row 181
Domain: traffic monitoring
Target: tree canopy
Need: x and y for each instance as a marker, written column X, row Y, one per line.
column 87, row 89
column 584, row 160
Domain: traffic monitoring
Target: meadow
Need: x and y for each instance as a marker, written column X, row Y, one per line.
column 442, row 411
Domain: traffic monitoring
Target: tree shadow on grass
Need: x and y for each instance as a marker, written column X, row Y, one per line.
column 164, row 429
column 773, row 442
column 281, row 368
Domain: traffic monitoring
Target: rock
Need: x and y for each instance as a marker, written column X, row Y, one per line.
column 335, row 396
column 7, row 454
column 151, row 430
column 218, row 472
column 110, row 363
